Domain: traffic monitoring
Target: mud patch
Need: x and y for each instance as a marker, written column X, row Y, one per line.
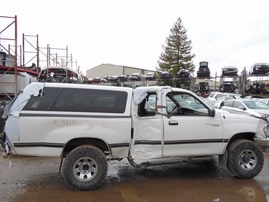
column 36, row 179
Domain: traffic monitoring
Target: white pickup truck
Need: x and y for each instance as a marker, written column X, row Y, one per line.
column 88, row 125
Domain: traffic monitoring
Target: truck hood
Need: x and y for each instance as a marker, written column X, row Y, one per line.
column 243, row 121
column 238, row 113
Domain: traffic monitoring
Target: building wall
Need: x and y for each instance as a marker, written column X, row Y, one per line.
column 130, row 70
column 104, row 70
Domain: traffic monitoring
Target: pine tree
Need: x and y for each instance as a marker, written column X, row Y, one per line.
column 177, row 51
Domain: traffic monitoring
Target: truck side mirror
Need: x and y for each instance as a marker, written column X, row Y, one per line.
column 169, row 115
column 211, row 112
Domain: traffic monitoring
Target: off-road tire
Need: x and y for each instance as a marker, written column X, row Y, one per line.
column 245, row 159
column 85, row 168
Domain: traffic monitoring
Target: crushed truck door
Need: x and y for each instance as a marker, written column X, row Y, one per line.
column 147, row 128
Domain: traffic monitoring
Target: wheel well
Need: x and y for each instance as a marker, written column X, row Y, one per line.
column 246, row 136
column 85, row 141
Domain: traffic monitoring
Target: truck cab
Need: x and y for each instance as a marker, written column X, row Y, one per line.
column 163, row 125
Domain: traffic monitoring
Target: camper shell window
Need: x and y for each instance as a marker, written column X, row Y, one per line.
column 79, row 100
column 43, row 101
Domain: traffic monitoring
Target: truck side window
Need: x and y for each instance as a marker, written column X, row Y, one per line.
column 148, row 106
column 183, row 104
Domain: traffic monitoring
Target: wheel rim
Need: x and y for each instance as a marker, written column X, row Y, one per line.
column 85, row 169
column 247, row 160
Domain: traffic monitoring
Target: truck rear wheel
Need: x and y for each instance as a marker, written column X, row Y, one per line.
column 85, row 168
column 245, row 159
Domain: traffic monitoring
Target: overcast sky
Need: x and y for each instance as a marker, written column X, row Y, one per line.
column 132, row 32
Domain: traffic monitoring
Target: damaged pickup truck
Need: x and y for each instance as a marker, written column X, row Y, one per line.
column 89, row 125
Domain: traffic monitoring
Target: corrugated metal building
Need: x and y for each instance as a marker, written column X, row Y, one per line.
column 104, row 70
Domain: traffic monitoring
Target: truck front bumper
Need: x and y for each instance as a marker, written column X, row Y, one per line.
column 264, row 142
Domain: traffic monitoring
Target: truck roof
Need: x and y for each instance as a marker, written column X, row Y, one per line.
column 84, row 86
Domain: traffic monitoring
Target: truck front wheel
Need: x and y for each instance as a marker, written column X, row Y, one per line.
column 245, row 159
column 85, row 168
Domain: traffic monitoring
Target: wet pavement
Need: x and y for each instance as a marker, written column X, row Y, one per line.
column 34, row 179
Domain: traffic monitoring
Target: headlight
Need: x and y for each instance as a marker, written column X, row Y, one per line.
column 265, row 116
column 263, row 127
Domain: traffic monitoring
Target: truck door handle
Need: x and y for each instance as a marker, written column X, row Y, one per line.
column 173, row 123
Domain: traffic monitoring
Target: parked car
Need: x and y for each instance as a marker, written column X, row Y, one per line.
column 57, row 74
column 216, row 95
column 265, row 100
column 250, row 106
column 227, row 86
column 203, row 87
column 96, row 80
column 203, row 71
column 259, row 69
column 165, row 75
column 112, row 78
column 229, row 71
column 123, row 78
column 137, row 76
column 256, row 87
column 183, row 74
column 150, row 76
